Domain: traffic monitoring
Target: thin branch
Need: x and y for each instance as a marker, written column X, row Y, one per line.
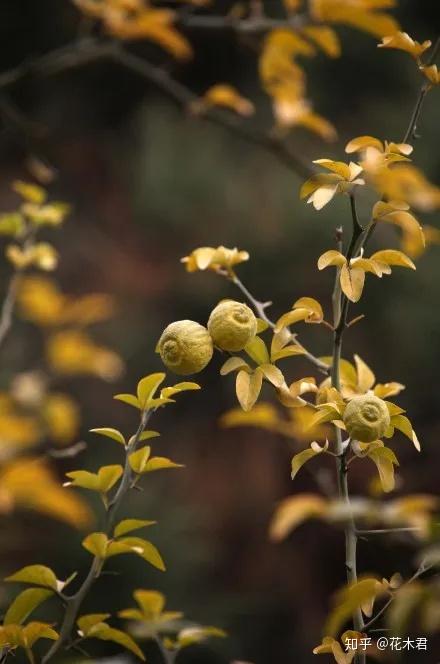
column 260, row 308
column 89, row 50
column 75, row 601
column 387, row 531
column 411, row 131
column 255, row 24
column 421, row 570
column 8, row 305
column 340, row 309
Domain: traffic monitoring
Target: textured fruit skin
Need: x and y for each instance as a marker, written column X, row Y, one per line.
column 366, row 418
column 231, row 325
column 185, row 347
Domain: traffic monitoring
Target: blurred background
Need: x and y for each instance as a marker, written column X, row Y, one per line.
column 147, row 184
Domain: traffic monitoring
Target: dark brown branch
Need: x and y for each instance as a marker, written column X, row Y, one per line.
column 91, row 50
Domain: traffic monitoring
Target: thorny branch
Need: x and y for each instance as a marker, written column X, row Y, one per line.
column 75, row 601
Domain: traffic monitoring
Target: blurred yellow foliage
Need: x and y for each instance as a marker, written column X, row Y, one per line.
column 30, row 484
column 42, row 302
column 73, row 352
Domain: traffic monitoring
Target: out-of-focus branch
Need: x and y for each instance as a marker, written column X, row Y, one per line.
column 89, row 49
column 257, row 24
column 411, row 131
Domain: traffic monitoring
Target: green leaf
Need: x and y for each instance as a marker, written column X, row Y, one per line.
column 127, row 525
column 37, row 575
column 130, row 399
column 97, row 544
column 114, row 434
column 138, row 459
column 257, row 351
column 24, row 604
column 140, row 547
column 147, row 387
column 106, row 633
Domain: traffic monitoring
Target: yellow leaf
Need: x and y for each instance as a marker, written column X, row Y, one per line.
column 351, row 598
column 393, row 257
column 30, row 192
column 263, row 415
column 272, row 374
column 233, row 364
column 325, row 38
column 362, row 142
column 331, row 257
column 257, row 350
column 316, row 314
column 403, row 42
column 96, row 544
column 227, row 96
column 24, row 604
column 106, row 633
column 130, row 399
column 30, row 484
column 291, row 317
column 36, row 575
column 404, row 425
column 352, row 282
column 248, row 387
column 102, row 481
column 160, row 463
column 138, row 546
column 293, row 511
column 301, row 458
column 153, row 24
column 108, row 432
column 365, row 377
column 128, row 525
column 138, row 459
column 147, row 387
column 385, row 459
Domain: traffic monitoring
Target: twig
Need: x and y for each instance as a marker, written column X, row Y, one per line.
column 255, row 24
column 260, row 308
column 340, row 309
column 422, row 569
column 75, row 601
column 88, row 50
column 8, row 307
column 387, row 531
column 412, row 127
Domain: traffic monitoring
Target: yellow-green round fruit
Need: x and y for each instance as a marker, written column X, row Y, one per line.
column 231, row 325
column 185, row 347
column 366, row 418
